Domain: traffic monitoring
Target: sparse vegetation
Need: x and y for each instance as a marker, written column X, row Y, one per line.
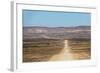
column 41, row 50
column 42, row 46
column 44, row 49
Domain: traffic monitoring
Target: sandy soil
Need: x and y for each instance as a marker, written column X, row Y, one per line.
column 65, row 54
column 73, row 50
column 68, row 54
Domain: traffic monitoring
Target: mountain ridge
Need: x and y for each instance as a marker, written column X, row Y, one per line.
column 57, row 32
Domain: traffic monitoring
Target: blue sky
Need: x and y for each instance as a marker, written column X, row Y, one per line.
column 55, row 19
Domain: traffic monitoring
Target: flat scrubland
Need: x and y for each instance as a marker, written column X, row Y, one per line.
column 36, row 50
column 80, row 48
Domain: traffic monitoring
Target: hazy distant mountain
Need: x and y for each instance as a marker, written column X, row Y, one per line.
column 57, row 32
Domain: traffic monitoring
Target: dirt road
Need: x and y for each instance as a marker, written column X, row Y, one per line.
column 65, row 54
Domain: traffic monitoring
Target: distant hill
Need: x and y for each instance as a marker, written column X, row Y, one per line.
column 57, row 32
